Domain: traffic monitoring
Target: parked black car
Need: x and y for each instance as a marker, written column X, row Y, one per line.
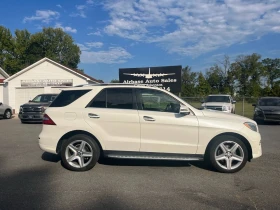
column 267, row 109
column 33, row 111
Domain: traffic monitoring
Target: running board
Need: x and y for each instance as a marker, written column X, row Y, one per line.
column 152, row 156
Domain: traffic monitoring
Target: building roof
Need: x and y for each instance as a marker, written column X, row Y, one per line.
column 74, row 71
column 82, row 73
column 4, row 73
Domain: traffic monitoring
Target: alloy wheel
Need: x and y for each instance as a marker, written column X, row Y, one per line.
column 229, row 155
column 79, row 154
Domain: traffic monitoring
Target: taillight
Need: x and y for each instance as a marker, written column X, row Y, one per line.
column 47, row 120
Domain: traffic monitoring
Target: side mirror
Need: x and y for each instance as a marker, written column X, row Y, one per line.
column 234, row 102
column 184, row 110
column 253, row 104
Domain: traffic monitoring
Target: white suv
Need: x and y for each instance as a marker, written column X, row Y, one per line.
column 224, row 103
column 138, row 122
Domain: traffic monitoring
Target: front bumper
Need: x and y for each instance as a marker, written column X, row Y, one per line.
column 218, row 110
column 31, row 116
column 254, row 139
column 263, row 117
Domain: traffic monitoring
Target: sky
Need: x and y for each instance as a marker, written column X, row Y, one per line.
column 115, row 34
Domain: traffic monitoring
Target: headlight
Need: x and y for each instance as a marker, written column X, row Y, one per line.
column 258, row 110
column 43, row 108
column 20, row 109
column 252, row 126
column 225, row 108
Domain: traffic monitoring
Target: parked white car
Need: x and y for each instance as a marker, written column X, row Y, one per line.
column 224, row 103
column 5, row 111
column 138, row 122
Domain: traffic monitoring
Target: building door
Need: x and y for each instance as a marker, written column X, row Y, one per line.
column 23, row 95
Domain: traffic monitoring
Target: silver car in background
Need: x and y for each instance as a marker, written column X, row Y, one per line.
column 5, row 111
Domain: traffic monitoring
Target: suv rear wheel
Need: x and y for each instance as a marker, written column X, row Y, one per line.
column 79, row 153
column 228, row 154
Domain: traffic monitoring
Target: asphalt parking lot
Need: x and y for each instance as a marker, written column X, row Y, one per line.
column 32, row 179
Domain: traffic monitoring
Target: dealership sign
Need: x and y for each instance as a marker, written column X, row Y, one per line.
column 46, row 82
column 165, row 77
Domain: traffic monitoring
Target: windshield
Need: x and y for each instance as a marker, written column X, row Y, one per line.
column 44, row 98
column 269, row 102
column 225, row 99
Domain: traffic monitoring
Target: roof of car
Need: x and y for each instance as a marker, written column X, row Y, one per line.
column 91, row 86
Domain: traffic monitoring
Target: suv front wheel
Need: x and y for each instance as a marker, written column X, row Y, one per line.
column 228, row 154
column 79, row 153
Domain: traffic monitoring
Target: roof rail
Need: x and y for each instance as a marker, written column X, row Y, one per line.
column 112, row 84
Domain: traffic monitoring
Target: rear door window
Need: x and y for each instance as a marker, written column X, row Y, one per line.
column 114, row 98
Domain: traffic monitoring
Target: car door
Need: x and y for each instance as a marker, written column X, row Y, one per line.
column 113, row 114
column 163, row 129
column 2, row 108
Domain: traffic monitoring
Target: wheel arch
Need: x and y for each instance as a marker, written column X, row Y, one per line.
column 76, row 132
column 242, row 138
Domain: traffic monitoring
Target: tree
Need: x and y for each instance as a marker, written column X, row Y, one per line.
column 247, row 71
column 203, row 88
column 271, row 73
column 189, row 80
column 215, row 78
column 6, row 48
column 25, row 48
column 115, row 81
column 19, row 60
column 55, row 44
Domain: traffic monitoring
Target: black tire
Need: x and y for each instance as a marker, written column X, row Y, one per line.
column 7, row 114
column 214, row 148
column 94, row 147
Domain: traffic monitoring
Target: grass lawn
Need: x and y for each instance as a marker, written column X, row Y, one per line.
column 248, row 108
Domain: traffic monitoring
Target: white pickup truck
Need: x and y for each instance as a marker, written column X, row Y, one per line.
column 224, row 103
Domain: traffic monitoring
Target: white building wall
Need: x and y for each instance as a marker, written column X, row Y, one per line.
column 45, row 70
column 5, row 94
column 1, row 94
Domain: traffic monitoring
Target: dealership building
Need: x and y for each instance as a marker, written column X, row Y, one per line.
column 44, row 76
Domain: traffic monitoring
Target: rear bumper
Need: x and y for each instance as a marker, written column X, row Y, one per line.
column 49, row 137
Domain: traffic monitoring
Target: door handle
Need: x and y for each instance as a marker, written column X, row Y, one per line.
column 148, row 118
column 93, row 115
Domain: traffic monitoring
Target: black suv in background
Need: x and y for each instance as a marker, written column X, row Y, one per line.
column 267, row 109
column 33, row 111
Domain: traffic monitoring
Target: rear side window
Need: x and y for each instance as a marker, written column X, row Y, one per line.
column 114, row 98
column 67, row 97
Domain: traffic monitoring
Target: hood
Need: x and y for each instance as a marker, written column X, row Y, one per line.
column 269, row 108
column 34, row 104
column 227, row 116
column 215, row 104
